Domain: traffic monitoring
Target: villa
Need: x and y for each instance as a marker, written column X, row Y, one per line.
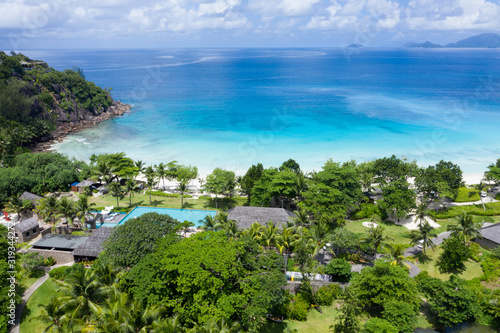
column 246, row 216
column 490, row 236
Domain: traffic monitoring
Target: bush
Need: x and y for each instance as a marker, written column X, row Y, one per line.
column 497, row 196
column 49, row 261
column 492, row 209
column 475, row 251
column 60, row 273
column 467, row 195
column 400, row 314
column 429, row 285
column 339, row 270
column 366, row 210
column 491, row 269
column 378, row 325
column 297, row 309
column 32, row 261
column 163, row 194
column 454, row 256
column 326, row 294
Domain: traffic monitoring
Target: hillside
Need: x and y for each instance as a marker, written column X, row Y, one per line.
column 490, row 40
column 39, row 103
column 426, row 45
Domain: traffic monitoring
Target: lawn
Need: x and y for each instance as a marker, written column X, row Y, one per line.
column 29, row 323
column 399, row 233
column 26, row 279
column 316, row 322
column 167, row 202
column 428, row 263
column 467, row 195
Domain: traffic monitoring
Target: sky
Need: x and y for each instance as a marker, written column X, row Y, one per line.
column 97, row 24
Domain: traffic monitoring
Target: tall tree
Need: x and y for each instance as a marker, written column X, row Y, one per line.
column 15, row 205
column 396, row 254
column 376, row 237
column 466, row 227
column 398, row 198
column 150, row 183
column 423, row 236
column 130, row 185
column 219, row 182
column 82, row 208
column 116, row 190
column 284, row 185
column 161, row 172
column 66, row 209
column 252, row 175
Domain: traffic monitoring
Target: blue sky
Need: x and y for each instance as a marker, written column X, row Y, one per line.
column 30, row 24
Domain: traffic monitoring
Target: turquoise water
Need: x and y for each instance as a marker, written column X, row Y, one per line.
column 179, row 214
column 231, row 108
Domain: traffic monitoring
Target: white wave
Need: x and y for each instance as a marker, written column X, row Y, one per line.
column 166, row 57
column 81, row 139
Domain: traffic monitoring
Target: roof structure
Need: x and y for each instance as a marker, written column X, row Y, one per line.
column 492, row 233
column 93, row 245
column 26, row 225
column 246, row 215
column 85, row 183
column 59, row 242
column 30, row 196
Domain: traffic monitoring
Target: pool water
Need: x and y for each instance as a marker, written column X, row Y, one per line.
column 182, row 215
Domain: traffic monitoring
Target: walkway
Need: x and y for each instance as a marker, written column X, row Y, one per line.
column 27, row 294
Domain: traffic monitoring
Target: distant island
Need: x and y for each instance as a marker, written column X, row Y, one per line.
column 488, row 40
column 355, row 46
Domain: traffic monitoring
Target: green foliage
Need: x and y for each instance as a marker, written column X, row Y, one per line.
column 60, row 273
column 401, row 315
column 342, row 240
column 442, row 180
column 137, row 238
column 492, row 209
column 206, row 276
column 297, row 309
column 32, row 261
column 378, row 325
column 455, row 254
column 334, row 191
column 391, row 169
column 252, row 175
column 383, row 282
column 349, row 315
column 398, row 198
column 326, row 294
column 366, row 210
column 220, row 182
column 339, row 270
column 475, row 251
column 428, row 285
column 454, row 303
column 49, row 261
column 467, row 195
column 491, row 268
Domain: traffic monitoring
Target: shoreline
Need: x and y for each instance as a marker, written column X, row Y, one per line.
column 59, row 134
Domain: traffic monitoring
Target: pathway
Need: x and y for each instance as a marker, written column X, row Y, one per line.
column 27, row 294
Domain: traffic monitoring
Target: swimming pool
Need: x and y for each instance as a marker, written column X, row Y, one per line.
column 182, row 215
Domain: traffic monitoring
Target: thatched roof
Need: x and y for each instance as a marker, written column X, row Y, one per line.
column 26, row 225
column 30, row 196
column 92, row 246
column 491, row 233
column 246, row 216
column 85, row 183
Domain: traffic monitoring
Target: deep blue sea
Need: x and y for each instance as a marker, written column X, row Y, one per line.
column 231, row 108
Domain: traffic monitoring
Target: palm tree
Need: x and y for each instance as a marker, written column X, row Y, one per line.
column 161, row 172
column 150, row 183
column 231, row 229
column 301, row 218
column 423, row 236
column 466, row 228
column 316, row 236
column 130, row 185
column 169, row 325
column 106, row 273
column 150, row 172
column 480, row 187
column 139, row 166
column 366, row 181
column 47, row 207
column 254, row 231
column 103, row 172
column 397, row 254
column 82, row 208
column 215, row 326
column 267, row 237
column 208, row 223
column 182, row 188
column 286, row 240
column 54, row 314
column 15, row 205
column 66, row 209
column 375, row 236
column 117, row 191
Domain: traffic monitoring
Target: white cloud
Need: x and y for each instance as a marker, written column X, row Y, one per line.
column 273, row 8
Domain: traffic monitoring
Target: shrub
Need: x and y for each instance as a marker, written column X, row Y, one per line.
column 49, row 261
column 339, row 270
column 297, row 309
column 378, row 325
column 497, row 196
column 400, row 314
column 491, row 268
column 32, row 261
column 366, row 210
column 454, row 256
column 326, row 294
column 305, row 292
column 59, row 273
column 163, row 194
column 429, row 285
column 475, row 251
column 467, row 195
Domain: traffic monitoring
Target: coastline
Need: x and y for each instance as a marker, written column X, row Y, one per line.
column 115, row 110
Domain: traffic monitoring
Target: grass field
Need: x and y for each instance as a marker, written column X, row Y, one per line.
column 429, row 263
column 316, row 322
column 26, row 279
column 159, row 201
column 29, row 323
column 467, row 195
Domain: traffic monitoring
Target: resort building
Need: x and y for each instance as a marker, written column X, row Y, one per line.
column 82, row 186
column 89, row 250
column 30, row 196
column 246, row 216
column 27, row 230
column 60, row 247
column 490, row 236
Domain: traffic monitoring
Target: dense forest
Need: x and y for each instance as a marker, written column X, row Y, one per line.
column 35, row 100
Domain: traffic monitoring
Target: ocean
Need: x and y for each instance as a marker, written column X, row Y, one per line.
column 232, row 108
